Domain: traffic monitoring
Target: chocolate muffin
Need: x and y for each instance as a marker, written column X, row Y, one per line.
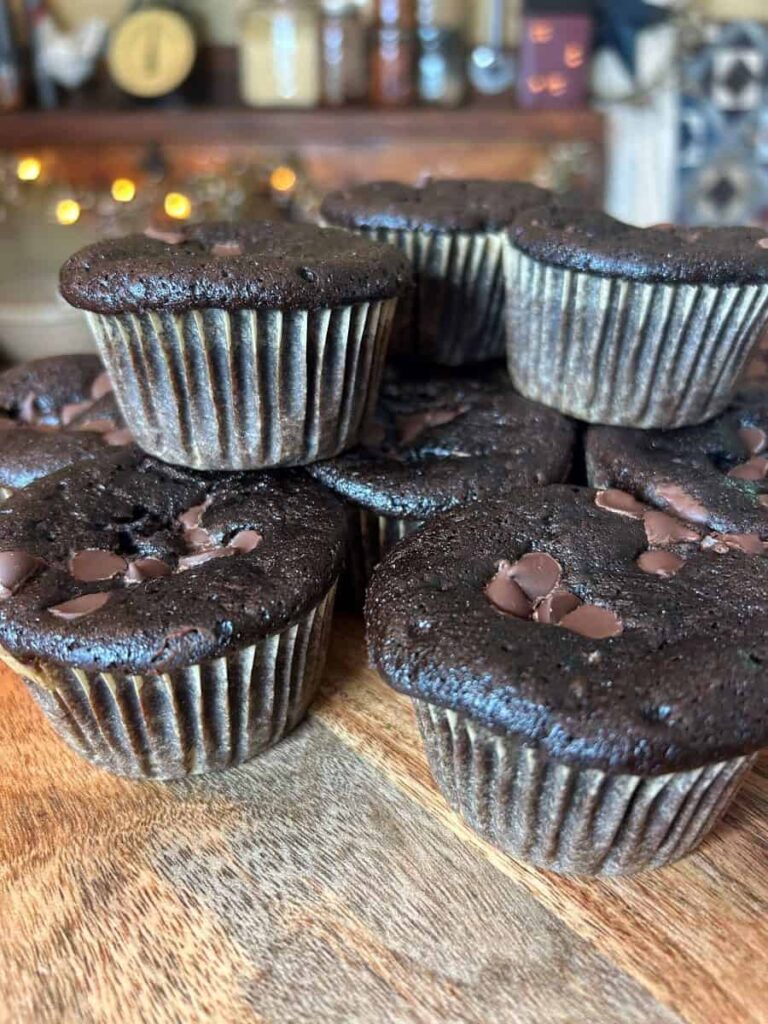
column 438, row 442
column 451, row 232
column 169, row 622
column 54, row 412
column 627, row 326
column 715, row 474
column 588, row 673
column 241, row 346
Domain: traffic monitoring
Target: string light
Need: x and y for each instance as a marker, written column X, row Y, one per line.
column 67, row 211
column 282, row 179
column 28, row 168
column 123, row 190
column 177, row 205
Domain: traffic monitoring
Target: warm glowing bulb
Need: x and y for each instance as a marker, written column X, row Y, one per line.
column 282, row 179
column 177, row 205
column 67, row 211
column 28, row 168
column 123, row 190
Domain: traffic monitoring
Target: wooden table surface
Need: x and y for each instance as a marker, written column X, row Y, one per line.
column 328, row 882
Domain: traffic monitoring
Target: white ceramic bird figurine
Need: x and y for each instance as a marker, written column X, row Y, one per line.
column 69, row 58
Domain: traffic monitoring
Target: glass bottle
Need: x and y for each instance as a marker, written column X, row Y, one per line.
column 442, row 56
column 393, row 54
column 344, row 54
column 280, row 54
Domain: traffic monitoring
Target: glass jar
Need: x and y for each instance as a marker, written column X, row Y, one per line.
column 344, row 53
column 393, row 54
column 442, row 52
column 280, row 54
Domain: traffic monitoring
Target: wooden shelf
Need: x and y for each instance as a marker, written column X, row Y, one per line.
column 348, row 127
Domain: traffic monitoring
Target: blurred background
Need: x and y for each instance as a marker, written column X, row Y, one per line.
column 116, row 115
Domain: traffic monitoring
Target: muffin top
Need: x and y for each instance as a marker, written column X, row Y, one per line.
column 445, row 440
column 607, row 632
column 715, row 474
column 438, row 205
column 589, row 240
column 257, row 265
column 54, row 391
column 54, row 412
column 124, row 563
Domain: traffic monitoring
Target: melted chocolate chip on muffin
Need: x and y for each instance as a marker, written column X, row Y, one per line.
column 132, row 565
column 255, row 265
column 56, row 391
column 651, row 671
column 54, row 412
column 592, row 241
column 448, row 439
column 438, row 205
column 715, row 474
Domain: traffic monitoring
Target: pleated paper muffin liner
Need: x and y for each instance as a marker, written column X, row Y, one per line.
column 369, row 538
column 571, row 820
column 455, row 315
column 628, row 353
column 201, row 718
column 246, row 389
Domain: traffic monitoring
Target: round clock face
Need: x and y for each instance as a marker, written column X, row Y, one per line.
column 151, row 52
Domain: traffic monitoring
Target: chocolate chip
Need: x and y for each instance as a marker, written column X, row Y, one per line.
column 682, row 503
column 98, row 426
column 662, row 529
column 749, row 543
column 93, row 564
column 80, row 606
column 555, row 606
column 245, row 541
column 147, row 569
column 754, row 439
column 118, row 438
column 16, row 567
column 101, row 386
column 28, row 409
column 198, row 539
column 193, row 516
column 660, row 563
column 190, row 561
column 227, row 249
column 591, row 621
column 506, row 595
column 613, row 500
column 164, row 235
column 714, row 542
column 413, row 426
column 755, row 468
column 537, row 574
column 72, row 410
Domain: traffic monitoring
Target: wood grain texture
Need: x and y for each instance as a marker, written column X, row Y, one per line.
column 694, row 934
column 350, row 126
column 328, row 881
column 305, row 887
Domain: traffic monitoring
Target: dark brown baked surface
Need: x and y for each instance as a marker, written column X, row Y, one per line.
column 589, row 240
column 716, row 473
column 210, row 599
column 682, row 684
column 261, row 264
column 448, row 438
column 438, row 205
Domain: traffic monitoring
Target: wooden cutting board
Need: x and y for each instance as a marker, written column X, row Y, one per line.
column 328, row 881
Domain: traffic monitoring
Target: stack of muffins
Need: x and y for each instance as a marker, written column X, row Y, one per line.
column 587, row 662
column 578, row 611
